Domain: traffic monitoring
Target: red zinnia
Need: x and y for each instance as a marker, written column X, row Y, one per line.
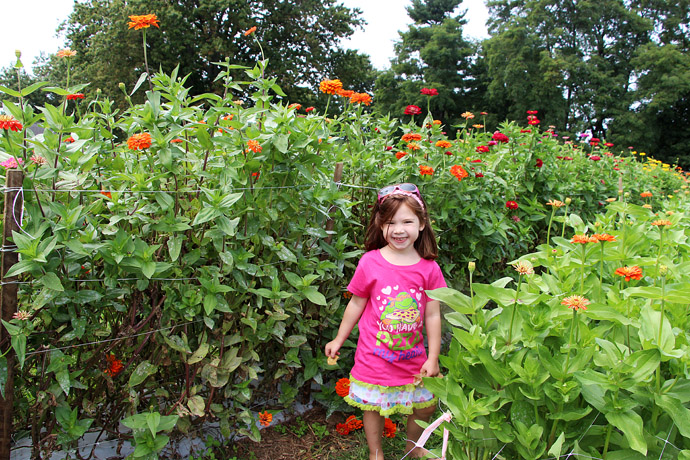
column 389, row 428
column 482, row 149
column 429, row 91
column 68, row 140
column 511, row 205
column 114, row 365
column 532, row 112
column 533, row 121
column 412, row 110
column 342, row 387
column 500, row 137
column 75, row 96
column 309, row 109
column 426, row 170
column 595, row 157
column 540, row 163
column 11, row 123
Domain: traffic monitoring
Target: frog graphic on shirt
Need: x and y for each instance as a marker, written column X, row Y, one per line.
column 403, row 309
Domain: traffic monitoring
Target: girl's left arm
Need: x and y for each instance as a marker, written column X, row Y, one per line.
column 432, row 318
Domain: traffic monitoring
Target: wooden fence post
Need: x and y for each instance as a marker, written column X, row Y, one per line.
column 330, row 223
column 14, row 202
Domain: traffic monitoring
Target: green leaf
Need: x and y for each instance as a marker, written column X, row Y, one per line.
column 205, row 214
column 143, row 370
column 454, row 299
column 30, row 89
column 152, row 419
column 630, row 423
column 679, row 413
column 311, row 293
column 167, row 422
column 196, row 405
column 51, row 281
column 19, row 344
column 295, row 341
column 174, row 247
column 199, row 354
column 9, row 91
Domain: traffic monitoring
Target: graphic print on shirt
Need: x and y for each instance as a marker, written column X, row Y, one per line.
column 399, row 325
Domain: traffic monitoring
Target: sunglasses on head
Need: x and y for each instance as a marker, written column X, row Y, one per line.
column 401, row 189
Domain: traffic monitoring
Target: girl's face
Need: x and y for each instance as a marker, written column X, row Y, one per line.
column 402, row 230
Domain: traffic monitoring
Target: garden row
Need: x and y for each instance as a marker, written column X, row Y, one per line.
column 185, row 260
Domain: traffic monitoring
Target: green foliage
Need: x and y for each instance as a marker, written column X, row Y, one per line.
column 530, row 379
column 199, row 273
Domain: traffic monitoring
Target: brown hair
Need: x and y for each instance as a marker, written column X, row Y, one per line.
column 384, row 212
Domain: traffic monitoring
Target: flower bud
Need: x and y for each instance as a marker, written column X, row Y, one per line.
column 597, row 224
column 568, row 201
column 663, row 270
column 18, row 53
column 122, row 87
column 471, row 266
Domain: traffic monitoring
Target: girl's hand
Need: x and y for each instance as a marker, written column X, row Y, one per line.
column 331, row 349
column 430, row 368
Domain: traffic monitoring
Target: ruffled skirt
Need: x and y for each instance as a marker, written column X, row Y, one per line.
column 389, row 400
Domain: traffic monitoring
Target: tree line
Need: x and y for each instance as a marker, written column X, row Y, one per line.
column 619, row 69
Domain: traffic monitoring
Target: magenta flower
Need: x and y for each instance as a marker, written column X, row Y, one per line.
column 429, row 91
column 412, row 110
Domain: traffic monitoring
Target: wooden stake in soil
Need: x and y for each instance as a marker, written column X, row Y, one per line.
column 14, row 202
column 330, row 223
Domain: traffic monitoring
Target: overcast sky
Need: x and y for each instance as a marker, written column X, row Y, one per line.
column 30, row 25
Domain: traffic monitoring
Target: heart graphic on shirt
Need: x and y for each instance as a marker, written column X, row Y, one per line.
column 412, row 291
column 378, row 297
column 396, row 287
column 381, row 307
column 419, row 296
column 387, row 290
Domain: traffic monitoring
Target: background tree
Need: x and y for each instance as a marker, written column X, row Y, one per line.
column 299, row 38
column 432, row 53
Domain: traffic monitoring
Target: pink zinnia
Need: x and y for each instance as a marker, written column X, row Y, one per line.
column 412, row 110
column 429, row 91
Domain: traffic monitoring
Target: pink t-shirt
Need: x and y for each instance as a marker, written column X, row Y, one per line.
column 390, row 350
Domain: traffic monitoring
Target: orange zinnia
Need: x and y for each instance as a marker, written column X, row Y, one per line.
column 583, row 239
column 295, row 106
column 413, row 146
column 661, row 223
column 555, row 203
column 467, row 115
column 330, row 86
column 114, row 365
column 576, row 302
column 353, row 423
column 360, row 98
column 107, row 193
column 345, row 93
column 399, row 155
column 342, row 429
column 407, row 137
column 342, row 387
column 629, row 273
column 458, row 171
column 444, row 144
column 250, row 31
column 139, row 141
column 143, row 21
column 11, row 123
column 265, row 418
column 254, row 146
column 604, row 237
column 389, row 428
column 66, row 53
column 646, row 194
column 426, row 170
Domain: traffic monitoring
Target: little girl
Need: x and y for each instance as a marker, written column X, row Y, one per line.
column 389, row 301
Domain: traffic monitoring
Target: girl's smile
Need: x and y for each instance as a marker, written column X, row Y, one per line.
column 402, row 230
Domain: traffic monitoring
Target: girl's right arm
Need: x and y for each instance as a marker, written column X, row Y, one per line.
column 353, row 312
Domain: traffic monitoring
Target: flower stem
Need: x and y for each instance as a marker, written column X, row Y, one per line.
column 570, row 340
column 548, row 232
column 146, row 62
column 606, row 442
column 512, row 318
column 582, row 272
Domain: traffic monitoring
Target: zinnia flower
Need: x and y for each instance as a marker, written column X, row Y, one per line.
column 412, row 110
column 467, row 115
column 342, row 387
column 37, row 159
column 500, row 137
column 75, row 96
column 345, row 93
column 511, row 205
column 426, row 170
column 107, row 193
column 413, row 146
column 539, row 163
column 604, row 237
column 576, row 302
column 459, row 172
column 482, row 149
column 250, row 31
column 360, row 98
column 295, row 106
column 661, row 223
column 353, row 423
column 594, row 157
column 343, row 429
column 389, row 428
column 254, row 146
column 399, row 155
column 429, row 91
column 330, row 86
column 143, row 21
column 533, row 121
column 177, row 141
column 114, row 365
column 524, row 267
column 532, row 112
column 555, row 203
column 68, row 140
column 443, row 144
column 66, row 53
column 309, row 109
column 646, row 194
column 21, row 315
column 139, row 141
column 629, row 273
column 265, row 418
column 583, row 239
column 11, row 123
column 11, row 163
column 408, row 137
